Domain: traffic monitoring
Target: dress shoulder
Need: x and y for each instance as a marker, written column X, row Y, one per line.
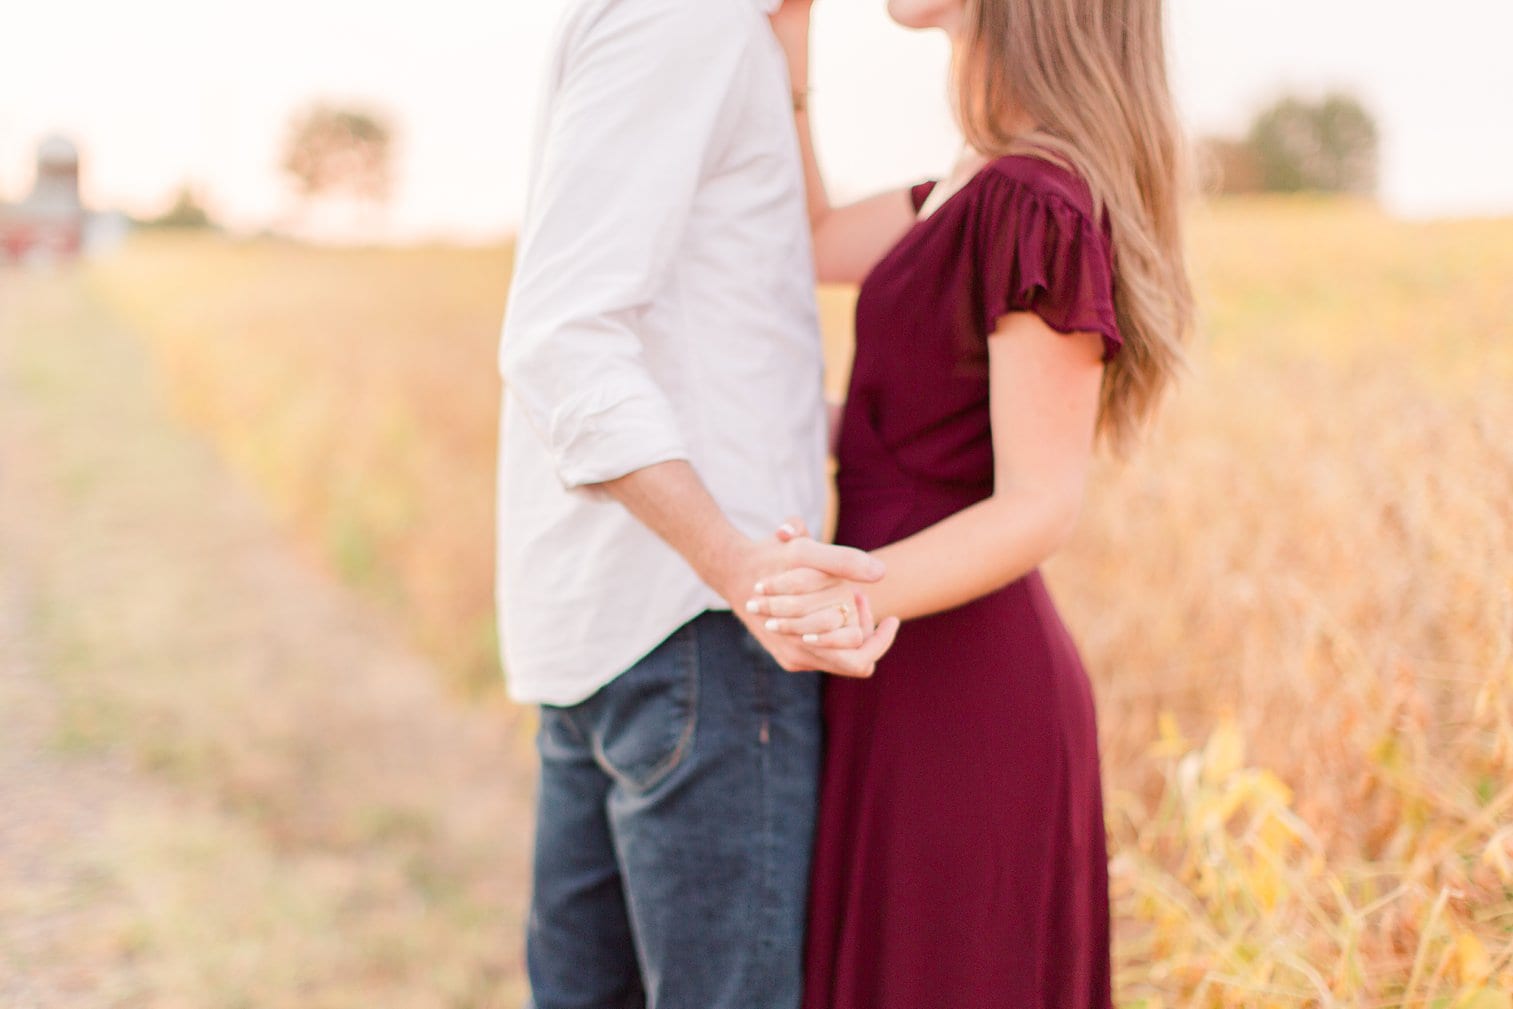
column 920, row 192
column 1040, row 249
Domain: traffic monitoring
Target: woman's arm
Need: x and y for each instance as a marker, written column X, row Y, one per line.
column 849, row 240
column 1044, row 403
column 833, row 411
column 1044, row 389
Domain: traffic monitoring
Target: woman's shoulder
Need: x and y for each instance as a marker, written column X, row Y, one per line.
column 1031, row 176
column 1042, row 251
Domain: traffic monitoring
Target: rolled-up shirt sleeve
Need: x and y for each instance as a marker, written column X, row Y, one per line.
column 634, row 116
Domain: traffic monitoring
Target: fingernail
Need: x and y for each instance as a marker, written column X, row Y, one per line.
column 752, row 606
column 760, row 588
column 772, row 625
column 811, row 639
column 787, row 527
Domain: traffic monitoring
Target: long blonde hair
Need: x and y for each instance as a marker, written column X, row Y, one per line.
column 1092, row 75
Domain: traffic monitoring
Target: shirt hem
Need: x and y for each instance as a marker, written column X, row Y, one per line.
column 542, row 694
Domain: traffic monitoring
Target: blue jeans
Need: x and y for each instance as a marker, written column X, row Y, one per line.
column 674, row 830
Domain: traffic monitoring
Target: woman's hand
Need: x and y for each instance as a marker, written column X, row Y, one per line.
column 823, row 610
column 790, row 23
column 792, row 10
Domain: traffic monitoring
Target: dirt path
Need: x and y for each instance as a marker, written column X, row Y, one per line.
column 223, row 781
column 52, row 806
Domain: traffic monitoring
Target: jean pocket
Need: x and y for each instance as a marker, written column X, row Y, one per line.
column 644, row 721
column 558, row 736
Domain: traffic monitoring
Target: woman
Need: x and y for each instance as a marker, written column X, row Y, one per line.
column 1009, row 315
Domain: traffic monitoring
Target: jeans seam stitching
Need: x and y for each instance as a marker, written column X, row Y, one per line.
column 770, row 901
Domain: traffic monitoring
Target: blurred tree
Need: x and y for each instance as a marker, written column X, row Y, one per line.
column 1330, row 146
column 333, row 151
column 1351, row 145
column 187, row 212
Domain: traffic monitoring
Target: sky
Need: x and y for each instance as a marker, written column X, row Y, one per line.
column 161, row 92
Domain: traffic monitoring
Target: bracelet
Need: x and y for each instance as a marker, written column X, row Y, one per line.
column 801, row 99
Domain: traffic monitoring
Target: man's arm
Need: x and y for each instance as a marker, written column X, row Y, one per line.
column 671, row 501
column 632, row 123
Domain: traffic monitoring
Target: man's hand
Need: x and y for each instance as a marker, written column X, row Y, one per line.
column 671, row 501
column 759, row 561
column 811, row 604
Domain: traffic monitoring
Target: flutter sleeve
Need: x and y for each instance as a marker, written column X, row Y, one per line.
column 1041, row 253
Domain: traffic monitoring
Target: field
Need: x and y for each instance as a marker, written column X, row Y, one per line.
column 1296, row 601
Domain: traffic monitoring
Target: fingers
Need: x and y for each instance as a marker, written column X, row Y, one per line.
column 831, row 617
column 858, row 662
column 794, row 528
column 877, row 646
column 864, row 614
column 794, row 607
column 842, row 639
column 796, row 582
column 861, row 662
column 842, row 562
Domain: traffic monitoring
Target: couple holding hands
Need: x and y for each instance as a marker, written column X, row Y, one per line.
column 778, row 772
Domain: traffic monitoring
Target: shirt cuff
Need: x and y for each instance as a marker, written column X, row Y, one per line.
column 599, row 437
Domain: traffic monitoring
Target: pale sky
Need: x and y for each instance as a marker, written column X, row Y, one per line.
column 160, row 91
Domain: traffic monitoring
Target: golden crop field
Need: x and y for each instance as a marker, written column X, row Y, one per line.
column 1296, row 601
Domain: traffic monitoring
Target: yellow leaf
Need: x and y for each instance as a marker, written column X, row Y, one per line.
column 1170, row 741
column 1387, row 753
column 1276, row 835
column 1266, row 884
column 1471, row 959
column 1225, row 752
column 1273, row 787
column 1486, row 998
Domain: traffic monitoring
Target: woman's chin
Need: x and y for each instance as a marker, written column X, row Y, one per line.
column 926, row 14
column 920, row 14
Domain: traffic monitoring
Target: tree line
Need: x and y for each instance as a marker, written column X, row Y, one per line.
column 1330, row 145
column 328, row 152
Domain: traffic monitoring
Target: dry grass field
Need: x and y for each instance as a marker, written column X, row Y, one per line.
column 1296, row 601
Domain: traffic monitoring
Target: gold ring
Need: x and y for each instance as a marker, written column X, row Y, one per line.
column 845, row 614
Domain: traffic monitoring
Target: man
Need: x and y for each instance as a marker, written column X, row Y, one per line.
column 663, row 413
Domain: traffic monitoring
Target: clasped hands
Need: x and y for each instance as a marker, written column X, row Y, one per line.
column 813, row 611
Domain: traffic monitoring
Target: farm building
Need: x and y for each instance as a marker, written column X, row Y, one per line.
column 50, row 222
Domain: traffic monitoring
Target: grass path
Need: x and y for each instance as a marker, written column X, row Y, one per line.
column 224, row 782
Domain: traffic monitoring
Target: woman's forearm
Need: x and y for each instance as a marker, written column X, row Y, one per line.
column 974, row 552
column 792, row 29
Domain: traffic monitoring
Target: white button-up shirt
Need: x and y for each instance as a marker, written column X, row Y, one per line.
column 662, row 308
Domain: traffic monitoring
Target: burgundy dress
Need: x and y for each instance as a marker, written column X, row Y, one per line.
column 960, row 859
